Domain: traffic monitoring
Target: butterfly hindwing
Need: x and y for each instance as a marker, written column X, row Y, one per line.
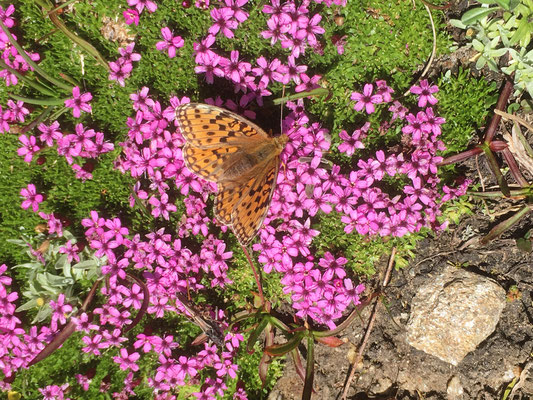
column 249, row 214
column 227, row 198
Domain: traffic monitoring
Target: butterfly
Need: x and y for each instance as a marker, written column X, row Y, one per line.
column 237, row 155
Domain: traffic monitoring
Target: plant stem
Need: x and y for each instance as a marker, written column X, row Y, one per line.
column 37, row 120
column 65, row 4
column 256, row 275
column 56, row 115
column 310, row 368
column 500, row 105
column 495, row 168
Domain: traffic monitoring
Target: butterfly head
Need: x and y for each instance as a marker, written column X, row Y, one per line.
column 281, row 141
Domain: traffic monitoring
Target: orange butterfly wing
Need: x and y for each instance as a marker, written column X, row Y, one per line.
column 249, row 214
column 240, row 157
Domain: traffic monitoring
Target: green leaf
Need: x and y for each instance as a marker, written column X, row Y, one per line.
column 28, row 305
column 457, row 23
column 478, row 46
column 87, row 264
column 40, row 102
column 28, row 265
column 474, row 15
column 282, row 349
column 524, row 245
column 60, row 263
column 254, row 336
column 522, row 33
column 505, row 4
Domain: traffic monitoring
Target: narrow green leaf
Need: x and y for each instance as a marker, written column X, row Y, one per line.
column 523, row 32
column 28, row 305
column 41, row 102
column 282, row 349
column 30, row 82
column 254, row 336
column 505, row 225
column 505, row 4
column 474, row 15
column 89, row 48
column 457, row 23
column 495, row 168
column 513, row 4
column 87, row 264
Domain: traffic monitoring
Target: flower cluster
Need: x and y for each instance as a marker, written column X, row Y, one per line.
column 10, row 55
column 83, row 143
column 121, row 69
column 170, row 270
column 289, row 23
column 19, row 346
column 287, row 247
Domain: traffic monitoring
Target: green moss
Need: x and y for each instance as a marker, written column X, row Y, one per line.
column 384, row 40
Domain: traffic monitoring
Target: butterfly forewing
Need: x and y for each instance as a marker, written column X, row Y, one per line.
column 208, row 163
column 203, row 125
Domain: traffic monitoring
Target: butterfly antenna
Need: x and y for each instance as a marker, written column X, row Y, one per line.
column 281, row 110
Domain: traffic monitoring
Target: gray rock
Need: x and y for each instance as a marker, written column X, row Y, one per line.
column 454, row 313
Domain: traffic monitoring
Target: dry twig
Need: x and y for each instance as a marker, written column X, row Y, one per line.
column 369, row 328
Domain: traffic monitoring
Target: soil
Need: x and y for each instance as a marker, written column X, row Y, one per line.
column 391, row 369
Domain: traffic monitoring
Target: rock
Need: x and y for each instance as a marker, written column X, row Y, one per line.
column 454, row 313
column 455, row 389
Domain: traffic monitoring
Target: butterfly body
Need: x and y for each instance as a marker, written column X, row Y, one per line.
column 240, row 157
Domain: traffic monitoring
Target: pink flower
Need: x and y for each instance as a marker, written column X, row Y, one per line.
column 384, row 90
column 425, row 92
column 5, row 16
column 131, row 16
column 366, row 100
column 32, row 198
column 308, row 83
column 127, row 361
column 79, row 102
column 350, row 143
column 170, row 43
column 60, row 309
column 277, row 27
column 17, row 111
column 140, row 4
column 120, row 71
column 339, row 42
column 235, row 6
column 224, row 22
column 50, row 133
column 29, row 147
